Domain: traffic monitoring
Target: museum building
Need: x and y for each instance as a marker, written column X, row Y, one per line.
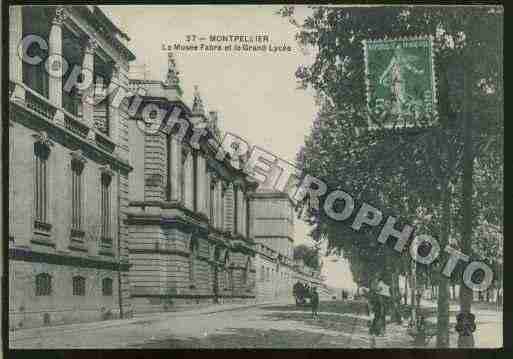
column 69, row 167
column 190, row 238
column 108, row 218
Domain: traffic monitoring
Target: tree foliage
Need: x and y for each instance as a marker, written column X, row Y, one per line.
column 309, row 255
column 400, row 172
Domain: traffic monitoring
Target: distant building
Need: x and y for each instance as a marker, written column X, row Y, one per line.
column 273, row 231
column 190, row 240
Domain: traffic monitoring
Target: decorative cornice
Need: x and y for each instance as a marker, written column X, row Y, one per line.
column 192, row 296
column 35, row 121
column 42, row 138
column 158, row 251
column 65, row 260
column 78, row 156
column 106, row 170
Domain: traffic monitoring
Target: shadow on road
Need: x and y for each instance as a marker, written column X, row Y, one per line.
column 253, row 338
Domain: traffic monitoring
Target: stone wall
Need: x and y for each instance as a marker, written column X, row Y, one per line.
column 28, row 310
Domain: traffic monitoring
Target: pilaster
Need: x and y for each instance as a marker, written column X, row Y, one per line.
column 55, row 62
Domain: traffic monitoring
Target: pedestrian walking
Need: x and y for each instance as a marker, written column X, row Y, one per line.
column 315, row 303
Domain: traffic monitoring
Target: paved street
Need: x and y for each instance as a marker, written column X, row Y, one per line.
column 267, row 326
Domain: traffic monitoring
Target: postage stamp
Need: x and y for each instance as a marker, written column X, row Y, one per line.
column 400, row 80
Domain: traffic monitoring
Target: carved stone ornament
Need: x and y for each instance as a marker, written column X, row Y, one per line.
column 197, row 105
column 91, row 45
column 43, row 139
column 106, row 173
column 60, row 15
column 78, row 160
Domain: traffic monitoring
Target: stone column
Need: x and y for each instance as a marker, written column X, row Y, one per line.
column 15, row 61
column 250, row 219
column 11, row 182
column 207, row 191
column 240, row 216
column 88, row 100
column 201, row 171
column 56, row 61
column 175, row 159
column 188, row 168
column 243, row 215
column 113, row 120
column 228, row 213
column 220, row 214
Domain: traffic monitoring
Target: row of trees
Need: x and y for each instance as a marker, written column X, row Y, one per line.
column 416, row 175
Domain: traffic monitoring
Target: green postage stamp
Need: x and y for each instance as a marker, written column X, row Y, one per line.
column 400, row 81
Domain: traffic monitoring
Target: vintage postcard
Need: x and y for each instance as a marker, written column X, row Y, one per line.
column 254, row 176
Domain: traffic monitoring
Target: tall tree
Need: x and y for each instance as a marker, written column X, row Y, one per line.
column 416, row 174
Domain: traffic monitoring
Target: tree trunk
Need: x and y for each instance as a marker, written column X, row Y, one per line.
column 412, row 291
column 442, row 338
column 396, row 298
column 467, row 340
column 406, row 278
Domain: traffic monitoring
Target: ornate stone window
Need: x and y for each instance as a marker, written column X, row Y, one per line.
column 77, row 166
column 228, row 275
column 43, row 284
column 246, row 273
column 41, row 197
column 224, row 188
column 247, row 214
column 235, row 209
column 213, row 201
column 195, row 187
column 169, row 166
column 105, row 205
column 79, row 286
column 193, row 254
column 107, row 286
column 35, row 22
column 183, row 168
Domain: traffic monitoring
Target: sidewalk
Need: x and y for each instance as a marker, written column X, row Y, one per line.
column 46, row 334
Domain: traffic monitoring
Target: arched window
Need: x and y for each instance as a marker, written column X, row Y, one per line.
column 77, row 166
column 105, row 207
column 228, row 280
column 246, row 273
column 79, row 285
column 262, row 274
column 195, row 187
column 107, row 286
column 212, row 200
column 183, row 167
column 193, row 253
column 43, row 284
column 41, row 154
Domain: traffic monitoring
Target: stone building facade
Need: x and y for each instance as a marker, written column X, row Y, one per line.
column 68, row 178
column 190, row 242
column 106, row 218
column 273, row 231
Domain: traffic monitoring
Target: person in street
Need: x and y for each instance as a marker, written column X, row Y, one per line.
column 315, row 303
column 376, row 306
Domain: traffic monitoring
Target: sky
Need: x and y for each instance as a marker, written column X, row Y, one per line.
column 255, row 93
